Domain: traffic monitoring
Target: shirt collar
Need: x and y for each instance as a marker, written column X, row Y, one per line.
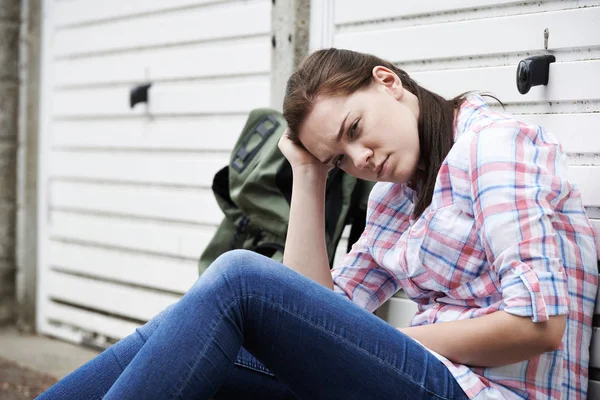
column 467, row 114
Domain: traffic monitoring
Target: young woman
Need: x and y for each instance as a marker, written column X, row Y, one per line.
column 473, row 218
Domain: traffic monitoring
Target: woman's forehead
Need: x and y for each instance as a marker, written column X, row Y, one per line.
column 320, row 129
column 325, row 118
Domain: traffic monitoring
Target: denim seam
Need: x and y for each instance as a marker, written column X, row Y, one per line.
column 254, row 367
column 187, row 379
column 117, row 360
column 351, row 344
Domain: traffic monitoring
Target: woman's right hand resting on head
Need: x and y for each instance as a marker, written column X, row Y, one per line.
column 305, row 247
column 300, row 157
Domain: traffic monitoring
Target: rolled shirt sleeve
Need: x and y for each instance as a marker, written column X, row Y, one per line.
column 517, row 173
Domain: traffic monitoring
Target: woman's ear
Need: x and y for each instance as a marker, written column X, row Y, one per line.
column 388, row 80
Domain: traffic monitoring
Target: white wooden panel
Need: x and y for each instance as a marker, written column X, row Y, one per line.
column 578, row 133
column 569, row 28
column 189, row 169
column 209, row 62
column 398, row 312
column 189, row 134
column 215, row 96
column 161, row 238
column 116, row 265
column 231, row 95
column 348, row 11
column 108, row 297
column 60, row 332
column 90, row 321
column 42, row 172
column 587, row 179
column 565, row 82
column 226, row 20
column 242, row 56
column 97, row 102
column 186, row 205
column 72, row 12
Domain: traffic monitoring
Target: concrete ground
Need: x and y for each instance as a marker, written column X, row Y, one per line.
column 29, row 364
column 19, row 383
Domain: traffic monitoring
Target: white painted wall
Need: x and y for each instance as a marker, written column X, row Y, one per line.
column 452, row 46
column 127, row 196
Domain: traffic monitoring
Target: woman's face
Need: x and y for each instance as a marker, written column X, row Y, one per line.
column 371, row 134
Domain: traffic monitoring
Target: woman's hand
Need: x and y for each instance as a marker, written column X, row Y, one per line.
column 299, row 157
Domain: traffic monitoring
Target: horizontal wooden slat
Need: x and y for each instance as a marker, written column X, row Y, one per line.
column 576, row 132
column 226, row 20
column 348, row 11
column 240, row 56
column 121, row 300
column 60, row 332
column 199, row 97
column 89, row 321
column 75, row 12
column 189, row 134
column 188, row 169
column 586, row 178
column 398, row 312
column 161, row 238
column 487, row 36
column 186, row 205
column 162, row 273
column 232, row 95
column 564, row 82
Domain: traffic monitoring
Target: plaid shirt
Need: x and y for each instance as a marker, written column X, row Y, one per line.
column 505, row 231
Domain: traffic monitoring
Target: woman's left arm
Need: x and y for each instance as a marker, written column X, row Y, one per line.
column 517, row 182
column 496, row 339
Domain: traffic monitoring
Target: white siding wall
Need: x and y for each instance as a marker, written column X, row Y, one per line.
column 452, row 46
column 128, row 202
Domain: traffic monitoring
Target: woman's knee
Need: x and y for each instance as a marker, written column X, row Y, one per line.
column 237, row 266
column 241, row 262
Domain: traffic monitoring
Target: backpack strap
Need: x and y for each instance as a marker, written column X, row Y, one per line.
column 253, row 142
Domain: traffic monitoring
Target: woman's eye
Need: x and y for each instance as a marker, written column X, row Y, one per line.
column 338, row 160
column 353, row 129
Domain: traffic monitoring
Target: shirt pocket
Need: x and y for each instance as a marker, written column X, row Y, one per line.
column 451, row 252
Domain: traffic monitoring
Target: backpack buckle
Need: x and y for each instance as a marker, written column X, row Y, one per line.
column 253, row 142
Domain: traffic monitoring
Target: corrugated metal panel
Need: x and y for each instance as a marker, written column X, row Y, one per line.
column 454, row 46
column 129, row 204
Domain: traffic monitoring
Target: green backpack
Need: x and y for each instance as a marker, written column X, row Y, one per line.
column 255, row 189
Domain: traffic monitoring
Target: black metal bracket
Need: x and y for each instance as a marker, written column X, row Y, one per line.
column 533, row 71
column 139, row 94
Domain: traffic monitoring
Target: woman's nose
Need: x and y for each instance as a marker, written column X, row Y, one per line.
column 361, row 157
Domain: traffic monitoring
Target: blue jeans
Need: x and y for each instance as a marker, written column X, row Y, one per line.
column 316, row 345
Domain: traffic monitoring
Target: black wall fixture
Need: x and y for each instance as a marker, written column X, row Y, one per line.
column 139, row 94
column 533, row 71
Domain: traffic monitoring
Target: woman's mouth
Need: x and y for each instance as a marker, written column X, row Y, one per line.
column 382, row 168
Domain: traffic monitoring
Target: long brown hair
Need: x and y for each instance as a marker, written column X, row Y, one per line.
column 337, row 72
